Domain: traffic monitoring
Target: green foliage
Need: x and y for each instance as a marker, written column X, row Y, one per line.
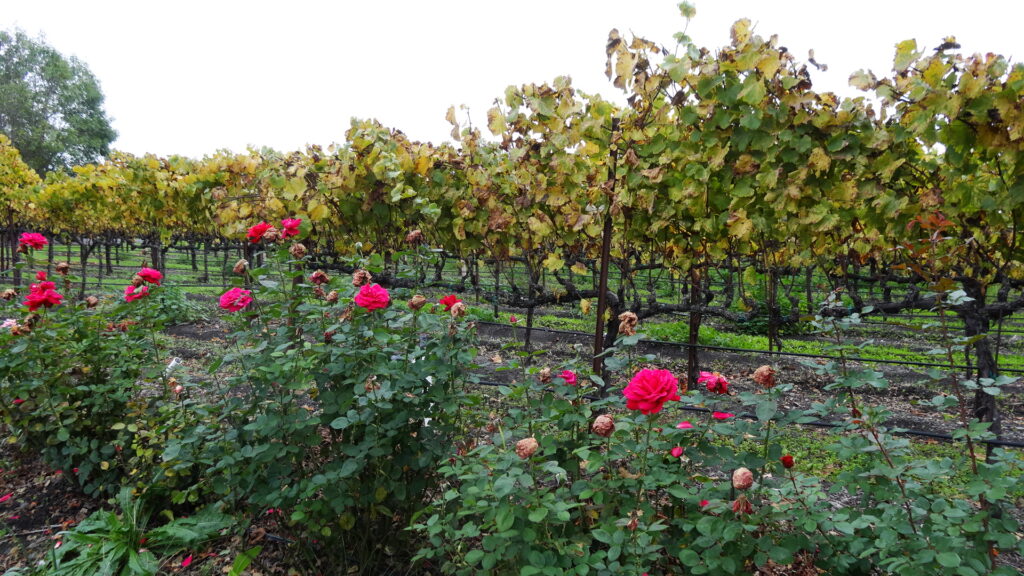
column 338, row 415
column 123, row 543
column 68, row 385
column 51, row 107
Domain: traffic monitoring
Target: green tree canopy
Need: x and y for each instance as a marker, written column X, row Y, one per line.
column 51, row 107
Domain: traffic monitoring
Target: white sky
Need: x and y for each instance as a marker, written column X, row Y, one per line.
column 191, row 77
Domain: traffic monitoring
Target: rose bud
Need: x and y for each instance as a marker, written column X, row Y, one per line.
column 603, row 426
column 765, row 377
column 677, row 452
column 742, row 479
column 241, row 266
column 297, row 250
column 178, row 389
column 63, row 268
column 787, row 461
column 418, row 301
column 361, row 277
column 331, row 297
column 526, row 447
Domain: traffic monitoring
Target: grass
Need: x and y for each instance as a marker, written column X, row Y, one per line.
column 812, row 452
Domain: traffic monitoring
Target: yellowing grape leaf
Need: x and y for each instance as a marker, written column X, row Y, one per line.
column 496, row 121
column 906, row 53
column 553, row 263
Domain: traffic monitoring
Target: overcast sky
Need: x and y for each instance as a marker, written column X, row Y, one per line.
column 191, row 77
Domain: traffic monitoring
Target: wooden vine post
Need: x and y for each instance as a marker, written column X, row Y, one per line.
column 606, row 247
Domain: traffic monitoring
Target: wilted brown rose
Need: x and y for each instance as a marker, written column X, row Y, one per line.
column 627, row 323
column 742, row 506
column 459, row 310
column 63, row 268
column 20, row 330
column 331, row 297
column 241, row 266
column 297, row 250
column 138, row 281
column 319, row 277
column 526, row 447
column 272, row 235
column 92, row 302
column 544, row 375
column 414, row 237
column 328, row 336
column 765, row 376
column 418, row 301
column 361, row 277
column 33, row 319
column 742, row 478
column 603, row 426
column 319, row 292
column 9, row 294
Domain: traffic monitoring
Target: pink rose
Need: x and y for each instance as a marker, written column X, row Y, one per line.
column 150, row 275
column 372, row 297
column 650, row 389
column 290, row 227
column 569, row 376
column 33, row 240
column 684, row 425
column 235, row 299
column 714, row 381
column 677, row 452
column 722, row 415
column 132, row 293
column 255, row 234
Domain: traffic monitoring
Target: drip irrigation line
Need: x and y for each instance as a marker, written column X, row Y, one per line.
column 755, row 351
column 815, row 423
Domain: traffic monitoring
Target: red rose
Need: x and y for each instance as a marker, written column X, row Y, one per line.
column 722, row 415
column 677, row 452
column 650, row 389
column 373, row 297
column 41, row 275
column 714, row 381
column 33, row 240
column 449, row 301
column 132, row 293
column 255, row 234
column 150, row 275
column 569, row 376
column 42, row 294
column 787, row 461
column 290, row 227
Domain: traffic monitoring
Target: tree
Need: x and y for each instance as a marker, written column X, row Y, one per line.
column 51, row 107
